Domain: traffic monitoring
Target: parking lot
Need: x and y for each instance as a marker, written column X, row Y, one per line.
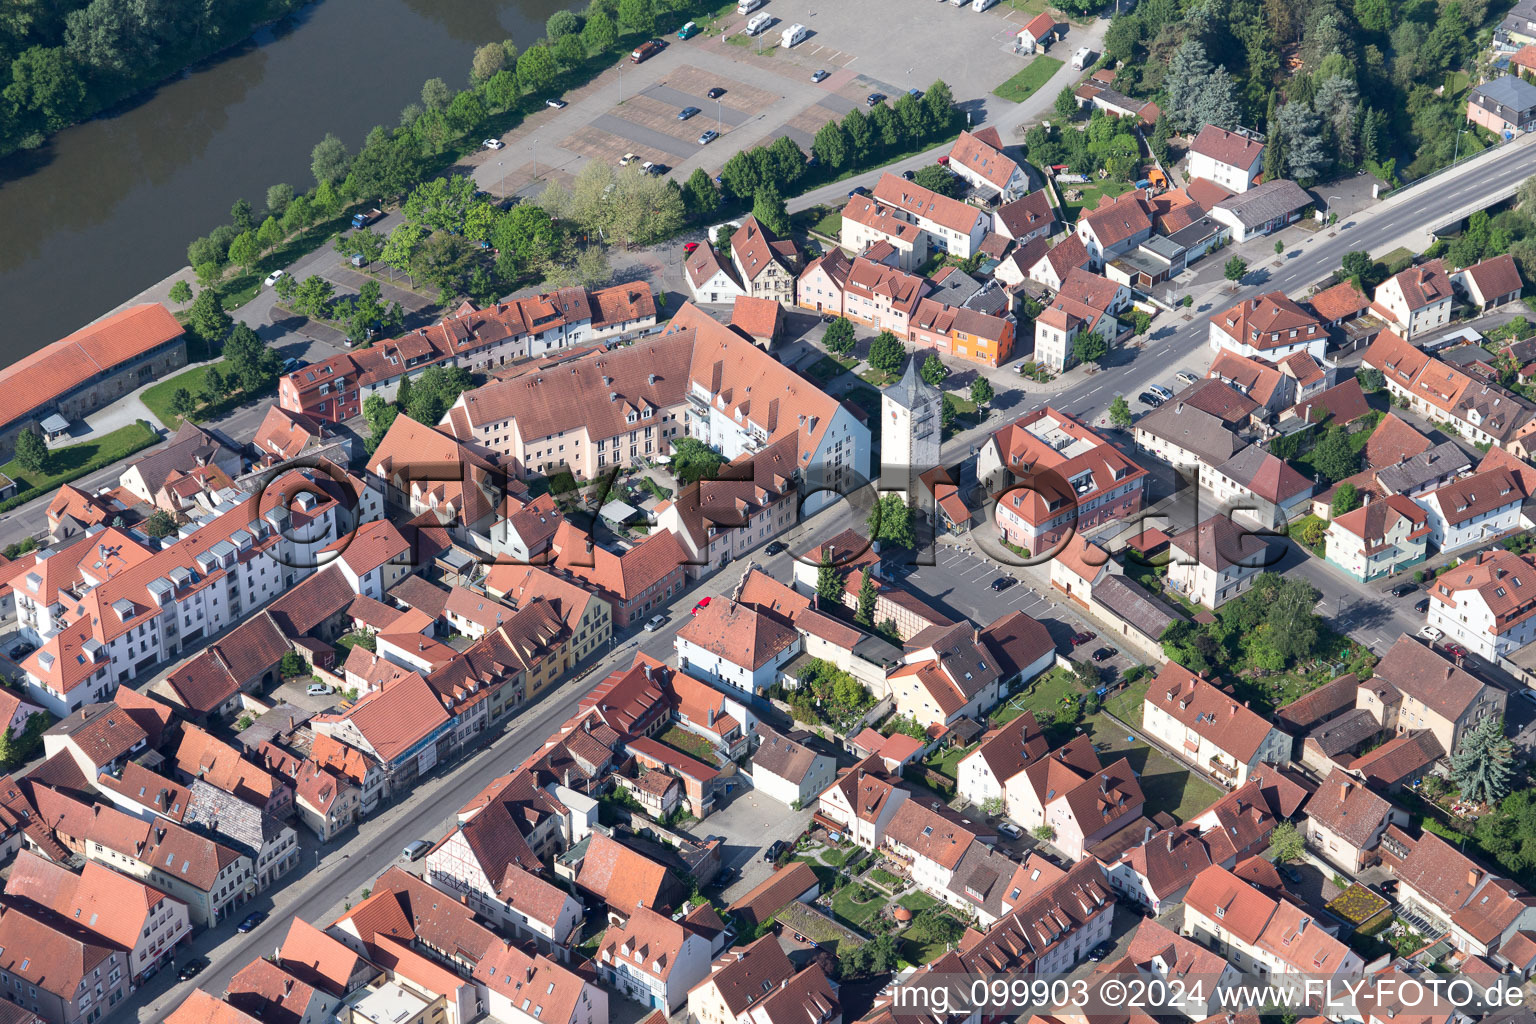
column 960, row 582
column 749, row 824
column 769, row 92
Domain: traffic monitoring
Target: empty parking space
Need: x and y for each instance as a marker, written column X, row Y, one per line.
column 652, row 115
column 695, row 82
column 675, row 101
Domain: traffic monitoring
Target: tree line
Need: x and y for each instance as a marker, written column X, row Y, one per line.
column 69, row 59
column 1361, row 90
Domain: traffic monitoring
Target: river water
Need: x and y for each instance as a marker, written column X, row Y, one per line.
column 107, row 208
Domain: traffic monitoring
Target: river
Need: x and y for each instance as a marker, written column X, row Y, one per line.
column 107, row 208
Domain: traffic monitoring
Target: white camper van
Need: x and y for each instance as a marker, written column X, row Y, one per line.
column 748, row 6
column 758, row 24
column 982, row 5
column 796, row 33
column 1081, row 59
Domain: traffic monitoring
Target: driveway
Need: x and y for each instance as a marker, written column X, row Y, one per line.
column 749, row 824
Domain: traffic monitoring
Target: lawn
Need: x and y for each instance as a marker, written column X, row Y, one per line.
column 947, row 762
column 917, row 902
column 76, row 460
column 849, row 909
column 881, row 380
column 880, row 876
column 830, row 225
column 692, row 744
column 1167, row 784
column 1090, row 196
column 1043, row 697
column 1029, row 79
column 158, row 397
column 1126, row 705
column 829, row 367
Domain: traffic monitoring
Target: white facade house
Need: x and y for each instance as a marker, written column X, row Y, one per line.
column 1487, row 604
column 863, row 801
column 529, row 906
column 653, row 960
column 735, row 646
column 789, row 772
column 1416, row 300
column 1473, row 510
column 1208, row 728
column 1232, row 160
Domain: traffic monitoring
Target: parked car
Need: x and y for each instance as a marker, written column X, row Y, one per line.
column 320, row 690
column 776, row 547
column 1104, row 653
column 415, row 850
column 703, row 603
column 192, row 968
column 774, row 849
column 829, row 318
column 1003, row 583
column 708, row 137
column 819, row 76
column 21, row 650
column 1404, row 589
column 715, row 93
column 645, row 51
column 273, row 278
column 1148, row 398
column 1161, row 392
column 860, row 191
column 908, row 175
column 1082, row 638
column 1186, row 378
column 628, row 158
column 689, row 247
column 654, row 623
column 688, row 31
column 251, row 921
column 916, row 94
column 1431, row 634
column 1455, row 650
column 1421, row 605
column 1099, row 952
column 1289, row 873
column 1010, row 830
column 493, row 144
column 686, row 113
column 555, row 104
column 874, row 99
column 366, row 217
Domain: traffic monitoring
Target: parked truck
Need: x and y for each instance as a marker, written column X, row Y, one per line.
column 362, row 220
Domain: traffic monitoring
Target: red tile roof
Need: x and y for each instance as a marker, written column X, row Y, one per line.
column 926, row 204
column 622, row 877
column 1226, row 147
column 1204, row 709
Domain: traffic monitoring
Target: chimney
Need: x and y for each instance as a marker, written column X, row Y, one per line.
column 1170, row 840
column 1343, row 791
column 1232, row 711
column 1147, row 836
column 1472, row 876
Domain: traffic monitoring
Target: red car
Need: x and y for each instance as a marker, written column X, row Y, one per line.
column 1082, row 638
column 1455, row 650
column 689, row 247
column 703, row 603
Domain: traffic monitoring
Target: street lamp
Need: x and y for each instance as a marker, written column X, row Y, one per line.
column 1459, row 133
column 533, row 154
column 1327, row 205
column 718, row 114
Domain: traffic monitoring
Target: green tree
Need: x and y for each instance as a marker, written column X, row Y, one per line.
column 206, row 317
column 241, row 215
column 215, row 386
column 770, row 210
column 292, row 665
column 537, row 68
column 938, row 179
column 890, row 520
column 278, row 198
column 269, row 234
column 245, row 250
column 285, row 287
column 637, row 16
column 599, row 33
column 1483, row 762
column 181, row 293
column 1334, row 457
column 380, row 415
column 1346, row 498
column 865, row 616
column 467, row 111
column 933, row 371
column 829, row 581
column 981, row 391
column 1287, row 842
column 1370, row 379
column 1235, row 268
column 831, row 146
column 314, row 296
column 31, row 451
column 1120, row 413
column 329, row 161
column 701, row 196
column 1066, row 104
column 489, row 59
column 501, row 91
column 182, row 403
column 1358, row 266
column 947, row 413
column 562, row 23
column 939, row 103
column 159, row 524
column 886, row 353
column 1089, row 347
column 693, row 460
column 839, row 336
column 435, row 94
column 1279, row 247
column 1141, row 321
column 861, row 136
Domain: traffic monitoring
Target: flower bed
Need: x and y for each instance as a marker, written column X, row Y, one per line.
column 1357, row 904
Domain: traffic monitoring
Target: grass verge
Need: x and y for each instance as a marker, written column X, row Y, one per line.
column 1029, row 79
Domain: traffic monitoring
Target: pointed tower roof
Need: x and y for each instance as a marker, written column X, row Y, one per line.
column 912, row 391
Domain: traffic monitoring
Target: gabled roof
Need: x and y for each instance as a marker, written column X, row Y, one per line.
column 983, row 158
column 1028, row 213
column 1220, row 544
column 1206, row 710
column 1117, row 218
column 1423, row 285
column 743, row 976
column 397, row 717
column 1424, row 674
column 783, row 757
column 1238, row 907
column 926, row 204
column 625, row 879
column 1230, row 148
column 1265, row 476
column 777, row 891
column 1349, row 809
column 1496, row 275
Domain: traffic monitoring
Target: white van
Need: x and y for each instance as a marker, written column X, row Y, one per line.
column 748, row 6
column 794, row 34
column 1081, row 59
column 758, row 24
column 981, row 5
